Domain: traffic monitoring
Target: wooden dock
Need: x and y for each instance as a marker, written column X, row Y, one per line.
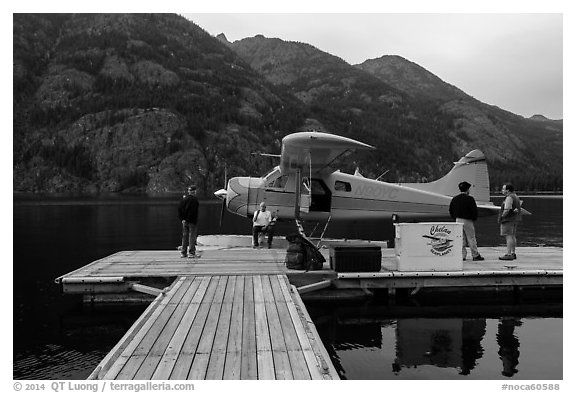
column 535, row 267
column 117, row 273
column 233, row 313
column 221, row 327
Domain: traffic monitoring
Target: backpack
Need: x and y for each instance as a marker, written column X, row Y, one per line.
column 302, row 255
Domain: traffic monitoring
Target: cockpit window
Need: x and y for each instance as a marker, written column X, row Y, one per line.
column 279, row 182
column 274, row 180
column 273, row 174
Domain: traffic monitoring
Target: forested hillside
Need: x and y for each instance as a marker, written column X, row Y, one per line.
column 151, row 102
column 136, row 103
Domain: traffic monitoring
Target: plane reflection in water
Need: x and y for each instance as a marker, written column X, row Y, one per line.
column 446, row 342
column 372, row 347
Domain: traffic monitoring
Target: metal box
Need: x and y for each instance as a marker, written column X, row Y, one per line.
column 355, row 258
column 430, row 246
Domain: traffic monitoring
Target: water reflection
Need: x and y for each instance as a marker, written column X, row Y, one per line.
column 473, row 331
column 454, row 343
column 376, row 342
column 509, row 345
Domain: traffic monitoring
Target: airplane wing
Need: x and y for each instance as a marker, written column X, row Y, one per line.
column 314, row 150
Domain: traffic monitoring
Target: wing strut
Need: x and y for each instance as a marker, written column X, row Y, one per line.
column 297, row 195
column 323, row 232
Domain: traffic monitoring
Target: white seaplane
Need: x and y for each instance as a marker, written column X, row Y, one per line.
column 303, row 187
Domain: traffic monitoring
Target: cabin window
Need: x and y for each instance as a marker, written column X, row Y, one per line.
column 342, row 186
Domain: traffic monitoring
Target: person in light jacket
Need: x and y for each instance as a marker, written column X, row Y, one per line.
column 509, row 217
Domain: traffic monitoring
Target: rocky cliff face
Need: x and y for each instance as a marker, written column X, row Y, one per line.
column 134, row 103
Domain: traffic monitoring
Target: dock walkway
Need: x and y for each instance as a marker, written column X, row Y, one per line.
column 221, row 327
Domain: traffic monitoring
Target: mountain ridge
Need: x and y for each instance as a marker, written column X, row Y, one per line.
column 151, row 102
column 508, row 140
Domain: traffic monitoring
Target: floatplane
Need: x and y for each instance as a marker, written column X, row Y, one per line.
column 304, row 186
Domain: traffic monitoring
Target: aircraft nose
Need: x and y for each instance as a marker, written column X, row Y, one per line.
column 237, row 196
column 221, row 194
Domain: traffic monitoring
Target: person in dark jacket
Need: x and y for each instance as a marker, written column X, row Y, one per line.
column 188, row 215
column 464, row 210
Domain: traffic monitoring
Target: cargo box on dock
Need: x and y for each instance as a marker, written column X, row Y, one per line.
column 430, row 246
column 347, row 257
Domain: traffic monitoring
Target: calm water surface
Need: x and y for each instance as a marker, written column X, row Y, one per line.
column 55, row 337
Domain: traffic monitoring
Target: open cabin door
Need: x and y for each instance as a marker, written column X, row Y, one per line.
column 305, row 201
column 302, row 195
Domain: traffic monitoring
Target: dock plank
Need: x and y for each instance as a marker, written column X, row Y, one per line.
column 186, row 356
column 326, row 368
column 282, row 367
column 127, row 352
column 166, row 334
column 295, row 355
column 263, row 345
column 136, row 360
column 249, row 366
column 313, row 364
column 202, row 357
column 107, row 362
column 220, row 346
column 232, row 368
column 170, row 356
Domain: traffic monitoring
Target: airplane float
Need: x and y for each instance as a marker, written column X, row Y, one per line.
column 303, row 187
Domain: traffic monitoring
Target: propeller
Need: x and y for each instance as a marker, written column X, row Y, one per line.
column 222, row 194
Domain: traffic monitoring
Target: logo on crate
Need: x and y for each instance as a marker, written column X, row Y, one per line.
column 440, row 243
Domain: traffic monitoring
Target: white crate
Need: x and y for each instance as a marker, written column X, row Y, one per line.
column 430, row 246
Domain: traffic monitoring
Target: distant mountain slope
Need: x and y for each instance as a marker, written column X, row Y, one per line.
column 411, row 78
column 451, row 123
column 511, row 143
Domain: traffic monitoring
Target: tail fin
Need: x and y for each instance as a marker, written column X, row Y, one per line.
column 471, row 168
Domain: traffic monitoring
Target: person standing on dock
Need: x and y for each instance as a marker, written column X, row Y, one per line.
column 510, row 215
column 464, row 210
column 188, row 214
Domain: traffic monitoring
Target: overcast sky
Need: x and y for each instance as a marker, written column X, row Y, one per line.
column 510, row 60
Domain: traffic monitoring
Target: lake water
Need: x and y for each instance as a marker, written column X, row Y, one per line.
column 56, row 337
